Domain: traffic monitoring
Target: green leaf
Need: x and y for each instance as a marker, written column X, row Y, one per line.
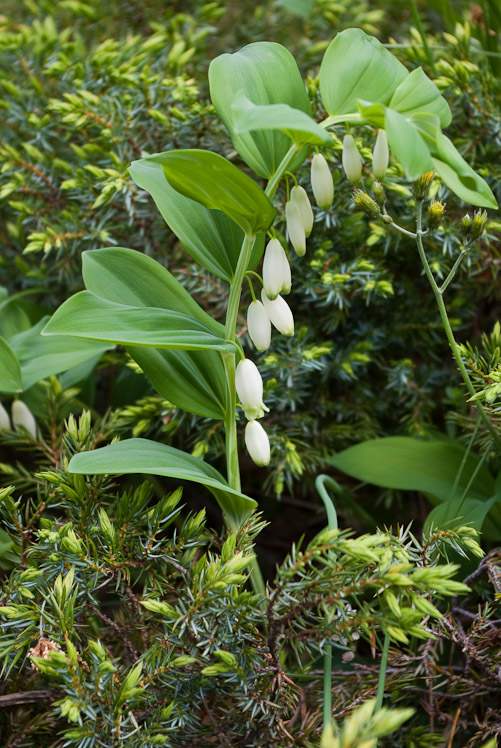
column 450, row 515
column 10, row 370
column 417, row 93
column 194, row 381
column 131, row 278
column 217, row 184
column 41, row 357
column 459, row 176
column 407, row 145
column 357, row 66
column 298, row 125
column 211, row 238
column 86, row 315
column 412, row 465
column 266, row 73
column 145, row 456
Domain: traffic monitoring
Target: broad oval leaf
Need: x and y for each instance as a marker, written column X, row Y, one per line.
column 267, row 73
column 450, row 515
column 210, row 236
column 459, row 176
column 194, row 381
column 407, row 145
column 412, row 465
column 418, row 93
column 131, row 278
column 149, row 457
column 41, row 357
column 299, row 126
column 86, row 315
column 217, row 184
column 10, row 370
column 357, row 66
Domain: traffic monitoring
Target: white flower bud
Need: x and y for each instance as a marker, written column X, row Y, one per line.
column 249, row 386
column 5, row 420
column 302, row 201
column 295, row 228
column 276, row 270
column 352, row 161
column 280, row 313
column 259, row 325
column 24, row 418
column 380, row 155
column 257, row 443
column 321, row 182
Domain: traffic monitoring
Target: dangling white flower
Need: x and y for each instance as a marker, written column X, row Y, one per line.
column 380, row 155
column 276, row 270
column 302, row 201
column 257, row 443
column 321, row 181
column 24, row 418
column 352, row 161
column 249, row 386
column 259, row 325
column 295, row 228
column 5, row 420
column 280, row 313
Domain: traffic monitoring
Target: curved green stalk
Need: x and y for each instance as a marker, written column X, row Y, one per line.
column 382, row 674
column 332, row 524
column 230, row 422
column 447, row 325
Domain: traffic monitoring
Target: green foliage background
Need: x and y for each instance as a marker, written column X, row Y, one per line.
column 85, row 88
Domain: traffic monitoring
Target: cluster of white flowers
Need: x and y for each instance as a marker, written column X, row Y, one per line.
column 273, row 309
column 22, row 418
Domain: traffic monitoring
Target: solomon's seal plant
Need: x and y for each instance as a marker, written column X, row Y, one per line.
column 223, row 217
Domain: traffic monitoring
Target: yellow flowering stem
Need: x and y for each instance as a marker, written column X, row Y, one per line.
column 447, row 325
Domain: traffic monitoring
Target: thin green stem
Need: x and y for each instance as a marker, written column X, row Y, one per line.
column 447, row 325
column 249, row 281
column 332, row 524
column 454, row 268
column 422, row 34
column 287, row 160
column 382, row 674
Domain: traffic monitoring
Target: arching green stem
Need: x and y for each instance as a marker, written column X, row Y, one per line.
column 332, row 524
column 447, row 325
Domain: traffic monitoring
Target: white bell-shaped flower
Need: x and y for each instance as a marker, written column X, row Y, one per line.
column 5, row 420
column 295, row 228
column 276, row 270
column 280, row 313
column 249, row 386
column 352, row 161
column 22, row 417
column 321, row 181
column 380, row 155
column 257, row 443
column 259, row 325
column 302, row 201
